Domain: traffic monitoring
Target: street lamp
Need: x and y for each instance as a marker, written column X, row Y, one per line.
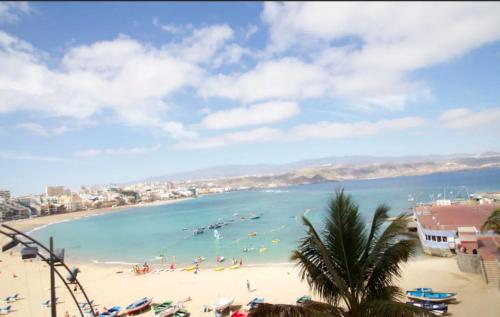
column 54, row 259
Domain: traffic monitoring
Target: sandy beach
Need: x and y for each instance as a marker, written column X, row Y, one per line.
column 277, row 283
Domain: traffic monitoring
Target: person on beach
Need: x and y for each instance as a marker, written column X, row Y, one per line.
column 66, row 314
column 241, row 262
column 248, row 285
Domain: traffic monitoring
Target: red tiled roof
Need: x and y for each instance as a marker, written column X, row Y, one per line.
column 454, row 216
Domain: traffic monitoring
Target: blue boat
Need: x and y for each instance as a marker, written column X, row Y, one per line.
column 437, row 308
column 112, row 312
column 430, row 296
column 304, row 299
column 139, row 305
column 423, row 289
column 255, row 302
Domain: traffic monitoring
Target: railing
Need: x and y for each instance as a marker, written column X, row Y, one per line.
column 483, row 271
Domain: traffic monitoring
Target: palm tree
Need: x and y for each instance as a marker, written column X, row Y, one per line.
column 351, row 267
column 493, row 221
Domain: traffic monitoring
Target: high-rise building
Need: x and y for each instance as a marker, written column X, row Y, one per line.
column 54, row 191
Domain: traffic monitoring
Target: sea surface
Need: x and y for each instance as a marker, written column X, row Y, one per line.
column 143, row 234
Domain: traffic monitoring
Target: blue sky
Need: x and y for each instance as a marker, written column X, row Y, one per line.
column 94, row 93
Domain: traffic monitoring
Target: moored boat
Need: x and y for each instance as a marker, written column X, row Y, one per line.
column 138, row 305
column 198, row 231
column 436, row 308
column 303, row 299
column 430, row 296
column 255, row 302
column 222, row 303
column 189, row 268
column 111, row 312
column 423, row 289
column 240, row 313
column 165, row 309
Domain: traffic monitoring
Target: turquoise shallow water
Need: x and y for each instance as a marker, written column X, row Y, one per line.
column 141, row 234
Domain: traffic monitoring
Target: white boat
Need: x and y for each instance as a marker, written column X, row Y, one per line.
column 217, row 235
column 222, row 303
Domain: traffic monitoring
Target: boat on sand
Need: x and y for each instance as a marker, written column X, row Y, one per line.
column 138, row 305
column 165, row 309
column 430, row 296
column 111, row 312
column 222, row 303
column 437, row 308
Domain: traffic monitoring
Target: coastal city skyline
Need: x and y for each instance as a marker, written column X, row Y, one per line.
column 175, row 87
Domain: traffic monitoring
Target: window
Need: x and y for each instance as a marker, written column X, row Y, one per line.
column 439, row 238
column 445, row 239
column 433, row 238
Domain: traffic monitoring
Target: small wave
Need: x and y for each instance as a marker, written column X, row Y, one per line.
column 46, row 225
column 275, row 191
column 115, row 262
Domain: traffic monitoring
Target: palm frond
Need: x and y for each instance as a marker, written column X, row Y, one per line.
column 393, row 309
column 345, row 237
column 281, row 310
column 493, row 221
column 314, row 261
column 388, row 266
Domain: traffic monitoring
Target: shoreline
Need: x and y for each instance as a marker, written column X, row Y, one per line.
column 29, row 225
column 110, row 285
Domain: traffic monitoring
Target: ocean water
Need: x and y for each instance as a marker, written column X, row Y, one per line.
column 141, row 234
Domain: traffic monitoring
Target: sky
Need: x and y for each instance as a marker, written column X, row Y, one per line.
column 95, row 93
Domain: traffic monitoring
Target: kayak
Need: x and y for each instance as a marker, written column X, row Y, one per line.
column 262, row 249
column 219, row 268
column 189, row 268
column 234, row 267
column 275, row 241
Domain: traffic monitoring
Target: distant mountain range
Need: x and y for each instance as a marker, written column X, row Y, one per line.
column 356, row 166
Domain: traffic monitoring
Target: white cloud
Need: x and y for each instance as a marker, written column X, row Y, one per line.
column 34, row 128
column 256, row 114
column 334, row 130
column 381, row 42
column 250, row 136
column 251, row 30
column 117, row 151
column 320, row 130
column 10, row 11
column 285, row 78
column 459, row 118
column 202, row 44
column 24, row 156
column 130, row 79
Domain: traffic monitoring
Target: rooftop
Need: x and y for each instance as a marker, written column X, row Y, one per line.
column 454, row 216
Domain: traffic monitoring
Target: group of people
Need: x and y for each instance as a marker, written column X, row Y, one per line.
column 145, row 268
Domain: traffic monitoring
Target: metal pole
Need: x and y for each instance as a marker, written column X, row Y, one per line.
column 62, row 263
column 52, row 280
